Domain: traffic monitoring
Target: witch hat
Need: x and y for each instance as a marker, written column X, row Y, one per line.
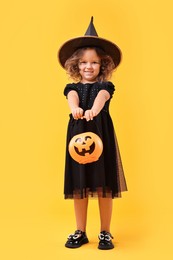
column 90, row 39
column 91, row 31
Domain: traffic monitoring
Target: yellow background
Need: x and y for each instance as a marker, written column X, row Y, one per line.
column 34, row 218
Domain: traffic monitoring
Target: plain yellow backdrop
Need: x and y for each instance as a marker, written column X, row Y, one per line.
column 34, row 218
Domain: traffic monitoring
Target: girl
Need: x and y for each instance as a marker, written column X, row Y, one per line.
column 90, row 61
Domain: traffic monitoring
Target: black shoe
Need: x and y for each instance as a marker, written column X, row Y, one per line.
column 77, row 239
column 105, row 242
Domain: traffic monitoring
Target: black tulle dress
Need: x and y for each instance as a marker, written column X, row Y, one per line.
column 105, row 177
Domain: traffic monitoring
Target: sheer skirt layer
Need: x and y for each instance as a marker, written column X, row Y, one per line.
column 103, row 178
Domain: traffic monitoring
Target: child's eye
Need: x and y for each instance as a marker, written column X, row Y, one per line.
column 96, row 62
column 82, row 62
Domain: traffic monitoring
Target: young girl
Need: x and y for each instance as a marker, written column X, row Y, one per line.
column 90, row 61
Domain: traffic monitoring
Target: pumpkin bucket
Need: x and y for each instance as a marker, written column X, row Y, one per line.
column 85, row 147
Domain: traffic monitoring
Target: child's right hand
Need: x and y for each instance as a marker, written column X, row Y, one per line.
column 77, row 113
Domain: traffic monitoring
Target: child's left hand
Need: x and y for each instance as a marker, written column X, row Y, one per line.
column 89, row 114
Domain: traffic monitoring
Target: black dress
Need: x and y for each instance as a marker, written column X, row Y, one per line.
column 105, row 177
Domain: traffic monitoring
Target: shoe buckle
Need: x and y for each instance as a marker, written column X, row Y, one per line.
column 101, row 236
column 74, row 236
column 105, row 237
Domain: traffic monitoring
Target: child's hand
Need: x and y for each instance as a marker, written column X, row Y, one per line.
column 77, row 113
column 89, row 114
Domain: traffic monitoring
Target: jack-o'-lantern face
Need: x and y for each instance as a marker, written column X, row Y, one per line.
column 86, row 147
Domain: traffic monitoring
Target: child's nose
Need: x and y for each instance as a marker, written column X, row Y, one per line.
column 89, row 65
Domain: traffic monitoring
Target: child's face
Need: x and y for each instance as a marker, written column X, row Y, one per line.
column 89, row 66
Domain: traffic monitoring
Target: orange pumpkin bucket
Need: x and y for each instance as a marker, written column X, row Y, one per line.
column 85, row 147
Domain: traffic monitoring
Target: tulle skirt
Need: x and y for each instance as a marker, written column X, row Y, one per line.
column 103, row 178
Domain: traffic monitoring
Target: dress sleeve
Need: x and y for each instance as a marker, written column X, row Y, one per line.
column 109, row 86
column 68, row 88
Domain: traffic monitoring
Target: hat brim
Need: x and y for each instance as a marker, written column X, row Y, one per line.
column 69, row 47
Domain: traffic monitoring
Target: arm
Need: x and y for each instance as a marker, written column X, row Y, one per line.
column 99, row 103
column 73, row 102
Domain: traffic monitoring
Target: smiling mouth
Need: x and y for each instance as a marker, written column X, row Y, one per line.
column 84, row 151
column 88, row 72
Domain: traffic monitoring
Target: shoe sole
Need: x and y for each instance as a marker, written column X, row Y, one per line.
column 84, row 241
column 105, row 247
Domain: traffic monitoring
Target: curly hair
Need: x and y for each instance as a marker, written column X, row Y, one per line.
column 106, row 68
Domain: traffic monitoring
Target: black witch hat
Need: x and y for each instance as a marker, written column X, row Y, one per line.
column 90, row 39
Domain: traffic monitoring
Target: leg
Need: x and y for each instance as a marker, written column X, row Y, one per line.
column 80, row 207
column 79, row 238
column 105, row 207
